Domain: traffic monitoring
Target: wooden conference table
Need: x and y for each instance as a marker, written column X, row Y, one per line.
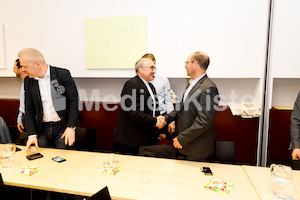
column 168, row 178
column 261, row 180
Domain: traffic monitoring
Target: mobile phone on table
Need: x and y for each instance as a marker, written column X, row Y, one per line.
column 58, row 159
column 34, row 156
column 207, row 171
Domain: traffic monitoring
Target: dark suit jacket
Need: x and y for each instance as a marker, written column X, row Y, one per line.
column 64, row 96
column 196, row 120
column 295, row 125
column 136, row 124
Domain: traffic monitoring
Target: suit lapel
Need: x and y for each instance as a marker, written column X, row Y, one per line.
column 142, row 84
column 148, row 94
column 38, row 97
column 196, row 86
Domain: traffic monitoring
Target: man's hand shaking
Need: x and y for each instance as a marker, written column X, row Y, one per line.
column 161, row 122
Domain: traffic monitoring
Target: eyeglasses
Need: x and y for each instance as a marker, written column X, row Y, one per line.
column 152, row 68
column 186, row 63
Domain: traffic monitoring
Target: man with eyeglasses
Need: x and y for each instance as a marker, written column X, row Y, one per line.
column 162, row 87
column 196, row 138
column 139, row 107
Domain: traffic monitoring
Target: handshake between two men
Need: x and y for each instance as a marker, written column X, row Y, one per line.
column 161, row 122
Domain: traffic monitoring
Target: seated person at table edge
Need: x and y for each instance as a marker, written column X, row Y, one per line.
column 295, row 130
column 51, row 102
column 139, row 107
column 4, row 132
column 196, row 136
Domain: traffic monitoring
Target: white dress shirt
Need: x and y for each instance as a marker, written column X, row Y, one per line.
column 49, row 113
column 192, row 83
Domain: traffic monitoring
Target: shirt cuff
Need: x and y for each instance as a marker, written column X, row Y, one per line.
column 30, row 136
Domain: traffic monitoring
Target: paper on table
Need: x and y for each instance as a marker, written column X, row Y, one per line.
column 28, row 170
column 219, row 186
column 113, row 170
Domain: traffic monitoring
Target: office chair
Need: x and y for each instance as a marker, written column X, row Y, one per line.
column 85, row 139
column 295, row 164
column 101, row 195
column 3, row 193
column 225, row 152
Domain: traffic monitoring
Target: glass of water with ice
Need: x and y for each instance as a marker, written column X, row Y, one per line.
column 282, row 181
column 7, row 154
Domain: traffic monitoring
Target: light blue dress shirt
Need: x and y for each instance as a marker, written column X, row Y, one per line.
column 22, row 103
column 162, row 87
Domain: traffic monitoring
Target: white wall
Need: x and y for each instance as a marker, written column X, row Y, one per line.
column 284, row 54
column 232, row 32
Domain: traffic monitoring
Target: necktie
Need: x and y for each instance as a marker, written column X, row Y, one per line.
column 155, row 99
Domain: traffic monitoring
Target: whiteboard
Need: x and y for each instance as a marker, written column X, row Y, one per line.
column 232, row 32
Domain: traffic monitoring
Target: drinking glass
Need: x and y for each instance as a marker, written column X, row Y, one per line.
column 7, row 154
column 282, row 185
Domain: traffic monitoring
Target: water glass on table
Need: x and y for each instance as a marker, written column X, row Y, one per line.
column 282, row 181
column 7, row 154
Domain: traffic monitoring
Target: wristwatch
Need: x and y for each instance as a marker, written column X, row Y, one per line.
column 73, row 127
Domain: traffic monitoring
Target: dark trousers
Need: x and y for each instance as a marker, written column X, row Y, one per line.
column 208, row 159
column 51, row 135
column 120, row 148
column 168, row 151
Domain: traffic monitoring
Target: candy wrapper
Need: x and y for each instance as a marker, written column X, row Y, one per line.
column 28, row 170
column 113, row 170
column 219, row 186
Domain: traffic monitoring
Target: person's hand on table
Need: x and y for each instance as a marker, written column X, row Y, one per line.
column 31, row 140
column 69, row 136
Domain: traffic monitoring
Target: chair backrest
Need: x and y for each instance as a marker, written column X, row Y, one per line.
column 101, row 195
column 85, row 138
column 225, row 152
column 295, row 164
column 3, row 193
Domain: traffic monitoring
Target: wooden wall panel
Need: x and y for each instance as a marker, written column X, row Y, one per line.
column 243, row 132
column 279, row 136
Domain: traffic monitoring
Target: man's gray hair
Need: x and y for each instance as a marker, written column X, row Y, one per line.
column 141, row 63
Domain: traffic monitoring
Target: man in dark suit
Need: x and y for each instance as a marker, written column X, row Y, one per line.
column 295, row 130
column 139, row 108
column 51, row 102
column 196, row 114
